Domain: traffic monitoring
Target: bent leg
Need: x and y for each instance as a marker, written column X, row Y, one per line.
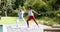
column 28, row 21
column 17, row 21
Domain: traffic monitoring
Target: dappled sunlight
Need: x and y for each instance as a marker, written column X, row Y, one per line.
column 8, row 20
column 12, row 20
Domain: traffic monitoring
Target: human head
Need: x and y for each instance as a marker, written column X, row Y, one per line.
column 30, row 7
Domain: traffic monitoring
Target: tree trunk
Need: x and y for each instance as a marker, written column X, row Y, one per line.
column 6, row 13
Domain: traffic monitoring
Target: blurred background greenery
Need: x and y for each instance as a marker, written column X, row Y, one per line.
column 49, row 9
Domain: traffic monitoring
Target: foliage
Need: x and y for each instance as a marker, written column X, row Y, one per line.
column 48, row 8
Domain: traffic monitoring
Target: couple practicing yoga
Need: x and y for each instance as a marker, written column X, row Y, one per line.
column 30, row 16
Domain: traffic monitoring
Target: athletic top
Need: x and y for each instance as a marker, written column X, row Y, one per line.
column 30, row 13
column 20, row 14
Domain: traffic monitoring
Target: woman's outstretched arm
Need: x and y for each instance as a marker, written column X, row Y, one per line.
column 36, row 12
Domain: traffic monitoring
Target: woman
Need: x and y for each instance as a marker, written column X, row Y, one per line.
column 31, row 16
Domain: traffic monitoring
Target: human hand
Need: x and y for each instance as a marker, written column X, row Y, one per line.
column 39, row 14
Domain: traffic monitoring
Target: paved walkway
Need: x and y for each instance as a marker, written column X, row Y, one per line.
column 23, row 28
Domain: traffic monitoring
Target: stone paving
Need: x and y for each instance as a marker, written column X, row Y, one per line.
column 23, row 28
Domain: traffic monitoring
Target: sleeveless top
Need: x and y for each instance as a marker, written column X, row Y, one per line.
column 30, row 13
column 20, row 14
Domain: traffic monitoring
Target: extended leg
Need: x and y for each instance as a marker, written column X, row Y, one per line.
column 24, row 20
column 35, row 21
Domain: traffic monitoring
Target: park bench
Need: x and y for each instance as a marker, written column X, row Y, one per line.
column 53, row 29
column 55, row 26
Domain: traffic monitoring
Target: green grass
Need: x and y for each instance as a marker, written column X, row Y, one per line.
column 8, row 20
column 11, row 20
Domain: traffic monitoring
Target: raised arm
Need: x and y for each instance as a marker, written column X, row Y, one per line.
column 35, row 12
column 15, row 11
column 26, row 11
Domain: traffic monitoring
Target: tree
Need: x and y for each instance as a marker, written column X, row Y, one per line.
column 18, row 3
column 48, row 8
column 0, row 14
column 6, row 5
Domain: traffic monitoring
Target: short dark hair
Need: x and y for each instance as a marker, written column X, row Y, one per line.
column 30, row 7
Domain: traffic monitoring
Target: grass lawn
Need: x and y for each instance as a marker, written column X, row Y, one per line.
column 11, row 20
column 8, row 20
